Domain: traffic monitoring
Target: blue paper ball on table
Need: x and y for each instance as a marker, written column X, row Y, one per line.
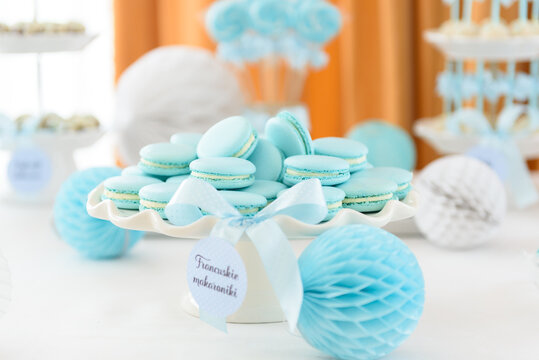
column 93, row 238
column 363, row 292
column 388, row 145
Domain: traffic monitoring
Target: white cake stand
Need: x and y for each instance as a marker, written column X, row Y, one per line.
column 260, row 304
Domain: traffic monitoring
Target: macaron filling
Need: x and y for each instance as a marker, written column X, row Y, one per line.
column 310, row 174
column 367, row 199
column 149, row 204
column 120, row 195
column 245, row 148
column 356, row 161
column 212, row 176
column 163, row 165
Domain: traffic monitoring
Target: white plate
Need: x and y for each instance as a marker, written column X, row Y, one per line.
column 517, row 48
column 41, row 43
column 149, row 220
column 445, row 142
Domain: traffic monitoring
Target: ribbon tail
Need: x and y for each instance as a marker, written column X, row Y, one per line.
column 281, row 267
column 520, row 182
column 217, row 322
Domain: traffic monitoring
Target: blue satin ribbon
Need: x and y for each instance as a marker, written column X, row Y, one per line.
column 502, row 141
column 304, row 202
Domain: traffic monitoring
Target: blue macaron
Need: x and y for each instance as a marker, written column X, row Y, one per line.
column 187, row 138
column 177, row 179
column 123, row 190
column 399, row 176
column 231, row 137
column 266, row 188
column 224, row 172
column 334, row 198
column 248, row 204
column 165, row 159
column 289, row 135
column 156, row 197
column 388, row 145
column 368, row 194
column 354, row 152
column 268, row 160
column 330, row 170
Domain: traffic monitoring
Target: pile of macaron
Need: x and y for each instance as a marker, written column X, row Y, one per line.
column 251, row 171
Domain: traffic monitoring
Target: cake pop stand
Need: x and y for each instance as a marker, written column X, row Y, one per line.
column 433, row 131
column 260, row 304
column 514, row 48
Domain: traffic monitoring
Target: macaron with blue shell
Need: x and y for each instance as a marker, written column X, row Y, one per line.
column 266, row 188
column 186, row 138
column 268, row 160
column 334, row 198
column 177, row 179
column 232, row 137
column 165, row 159
column 248, row 204
column 354, row 152
column 399, row 176
column 136, row 171
column 156, row 197
column 388, row 145
column 224, row 172
column 367, row 194
column 289, row 135
column 329, row 169
column 123, row 190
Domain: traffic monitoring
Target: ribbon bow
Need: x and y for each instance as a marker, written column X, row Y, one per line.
column 501, row 140
column 304, row 202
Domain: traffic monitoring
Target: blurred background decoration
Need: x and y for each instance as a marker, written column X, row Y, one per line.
column 380, row 66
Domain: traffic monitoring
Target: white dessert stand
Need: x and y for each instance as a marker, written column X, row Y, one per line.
column 514, row 48
column 433, row 131
column 43, row 43
column 260, row 304
column 58, row 147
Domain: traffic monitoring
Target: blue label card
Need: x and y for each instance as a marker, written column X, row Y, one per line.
column 29, row 170
column 493, row 158
column 216, row 277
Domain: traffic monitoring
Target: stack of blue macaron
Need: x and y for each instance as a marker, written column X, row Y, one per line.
column 252, row 171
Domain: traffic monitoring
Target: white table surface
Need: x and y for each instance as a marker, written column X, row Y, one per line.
column 480, row 304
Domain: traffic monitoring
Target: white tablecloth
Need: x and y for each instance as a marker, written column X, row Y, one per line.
column 480, row 304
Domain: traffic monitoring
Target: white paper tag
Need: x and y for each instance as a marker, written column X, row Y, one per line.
column 216, row 277
column 29, row 170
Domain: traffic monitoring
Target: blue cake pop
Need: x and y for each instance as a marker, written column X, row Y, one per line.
column 227, row 20
column 94, row 238
column 317, row 21
column 363, row 292
column 269, row 17
column 388, row 144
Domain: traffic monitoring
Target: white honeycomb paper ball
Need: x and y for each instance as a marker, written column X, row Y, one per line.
column 172, row 89
column 463, row 202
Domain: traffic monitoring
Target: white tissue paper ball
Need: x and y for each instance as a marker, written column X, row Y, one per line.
column 463, row 202
column 5, row 286
column 172, row 89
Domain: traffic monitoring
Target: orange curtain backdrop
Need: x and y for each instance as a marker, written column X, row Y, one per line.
column 380, row 66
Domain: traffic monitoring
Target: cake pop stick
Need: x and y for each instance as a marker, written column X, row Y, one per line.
column 523, row 10
column 480, row 75
column 458, row 94
column 468, row 10
column 511, row 66
column 495, row 11
column 534, row 70
column 535, row 10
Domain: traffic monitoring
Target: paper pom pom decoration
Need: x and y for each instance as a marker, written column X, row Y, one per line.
column 363, row 292
column 5, row 286
column 463, row 202
column 388, row 144
column 172, row 89
column 93, row 238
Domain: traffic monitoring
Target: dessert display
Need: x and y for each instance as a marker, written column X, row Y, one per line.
column 228, row 157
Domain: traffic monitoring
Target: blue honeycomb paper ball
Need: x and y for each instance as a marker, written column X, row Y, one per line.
column 93, row 238
column 363, row 292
